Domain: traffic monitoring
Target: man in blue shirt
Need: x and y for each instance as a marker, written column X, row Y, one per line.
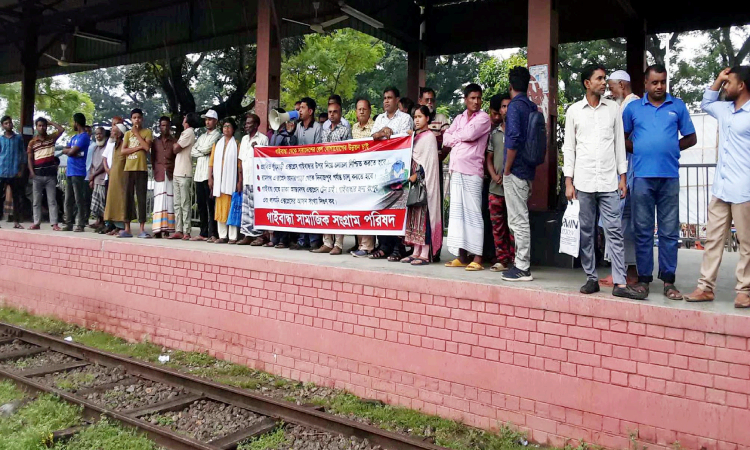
column 731, row 187
column 12, row 157
column 651, row 128
column 518, row 174
column 75, row 188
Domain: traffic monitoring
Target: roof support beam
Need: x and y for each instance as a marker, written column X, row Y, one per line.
column 542, row 52
column 268, row 63
column 628, row 8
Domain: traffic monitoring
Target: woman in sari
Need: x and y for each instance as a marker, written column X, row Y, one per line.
column 224, row 179
column 114, row 165
column 424, row 224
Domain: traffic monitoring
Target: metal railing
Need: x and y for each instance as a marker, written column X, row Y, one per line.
column 695, row 190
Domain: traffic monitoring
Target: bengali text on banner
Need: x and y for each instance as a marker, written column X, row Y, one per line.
column 351, row 187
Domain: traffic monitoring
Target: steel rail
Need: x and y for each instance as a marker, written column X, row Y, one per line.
column 286, row 411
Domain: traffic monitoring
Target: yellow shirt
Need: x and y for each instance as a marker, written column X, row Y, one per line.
column 136, row 162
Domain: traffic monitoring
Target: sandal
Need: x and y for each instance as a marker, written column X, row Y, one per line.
column 395, row 256
column 420, row 262
column 18, row 226
column 498, row 267
column 269, row 244
column 377, row 254
column 474, row 267
column 408, row 260
column 455, row 263
column 671, row 292
column 742, row 301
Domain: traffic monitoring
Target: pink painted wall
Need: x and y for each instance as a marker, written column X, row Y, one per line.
column 561, row 366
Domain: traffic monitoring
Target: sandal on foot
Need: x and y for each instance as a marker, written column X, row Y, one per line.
column 474, row 267
column 419, row 262
column 377, row 254
column 498, row 267
column 742, row 300
column 408, row 260
column 455, row 263
column 671, row 292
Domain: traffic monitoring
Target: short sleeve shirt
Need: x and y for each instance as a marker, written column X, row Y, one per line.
column 43, row 155
column 183, row 163
column 136, row 162
column 655, row 132
column 77, row 164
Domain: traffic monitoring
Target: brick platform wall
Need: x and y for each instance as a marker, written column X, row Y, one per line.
column 560, row 366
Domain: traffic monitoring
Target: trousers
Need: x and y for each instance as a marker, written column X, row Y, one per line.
column 205, row 209
column 517, row 193
column 720, row 216
column 608, row 205
column 75, row 201
column 136, row 189
column 662, row 195
column 42, row 185
column 182, row 204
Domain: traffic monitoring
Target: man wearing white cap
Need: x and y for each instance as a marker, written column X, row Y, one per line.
column 622, row 93
column 202, row 151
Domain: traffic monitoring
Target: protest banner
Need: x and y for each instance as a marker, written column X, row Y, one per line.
column 352, row 187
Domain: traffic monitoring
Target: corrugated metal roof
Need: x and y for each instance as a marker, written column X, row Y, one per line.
column 156, row 30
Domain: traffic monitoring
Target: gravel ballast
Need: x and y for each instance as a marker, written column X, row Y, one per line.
column 205, row 420
column 135, row 395
column 83, row 377
column 49, row 358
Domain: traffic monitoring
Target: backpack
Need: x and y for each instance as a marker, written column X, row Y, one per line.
column 536, row 140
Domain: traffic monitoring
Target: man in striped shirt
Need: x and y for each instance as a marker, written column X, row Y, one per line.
column 43, row 171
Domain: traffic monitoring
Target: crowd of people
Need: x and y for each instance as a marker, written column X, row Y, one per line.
column 620, row 163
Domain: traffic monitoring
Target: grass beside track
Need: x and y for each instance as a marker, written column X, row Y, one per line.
column 445, row 432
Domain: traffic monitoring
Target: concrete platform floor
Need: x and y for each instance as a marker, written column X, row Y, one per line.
column 545, row 278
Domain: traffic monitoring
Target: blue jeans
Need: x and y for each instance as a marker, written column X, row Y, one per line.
column 664, row 195
column 309, row 239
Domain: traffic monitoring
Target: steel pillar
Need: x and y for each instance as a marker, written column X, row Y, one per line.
column 30, row 62
column 268, row 63
column 542, row 51
column 636, row 54
column 415, row 74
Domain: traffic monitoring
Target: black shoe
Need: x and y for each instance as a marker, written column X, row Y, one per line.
column 68, row 228
column 632, row 292
column 590, row 287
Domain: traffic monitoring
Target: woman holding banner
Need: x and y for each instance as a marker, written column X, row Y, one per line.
column 224, row 179
column 424, row 225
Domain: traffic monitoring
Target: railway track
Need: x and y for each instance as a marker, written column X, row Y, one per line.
column 94, row 380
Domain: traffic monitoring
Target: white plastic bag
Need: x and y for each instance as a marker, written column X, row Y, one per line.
column 570, row 231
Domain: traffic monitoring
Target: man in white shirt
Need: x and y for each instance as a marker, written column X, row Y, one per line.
column 247, row 151
column 391, row 122
column 594, row 159
column 202, row 151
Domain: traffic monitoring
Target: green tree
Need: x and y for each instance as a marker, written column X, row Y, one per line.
column 447, row 75
column 695, row 74
column 328, row 64
column 389, row 71
column 493, row 75
column 52, row 100
column 106, row 87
